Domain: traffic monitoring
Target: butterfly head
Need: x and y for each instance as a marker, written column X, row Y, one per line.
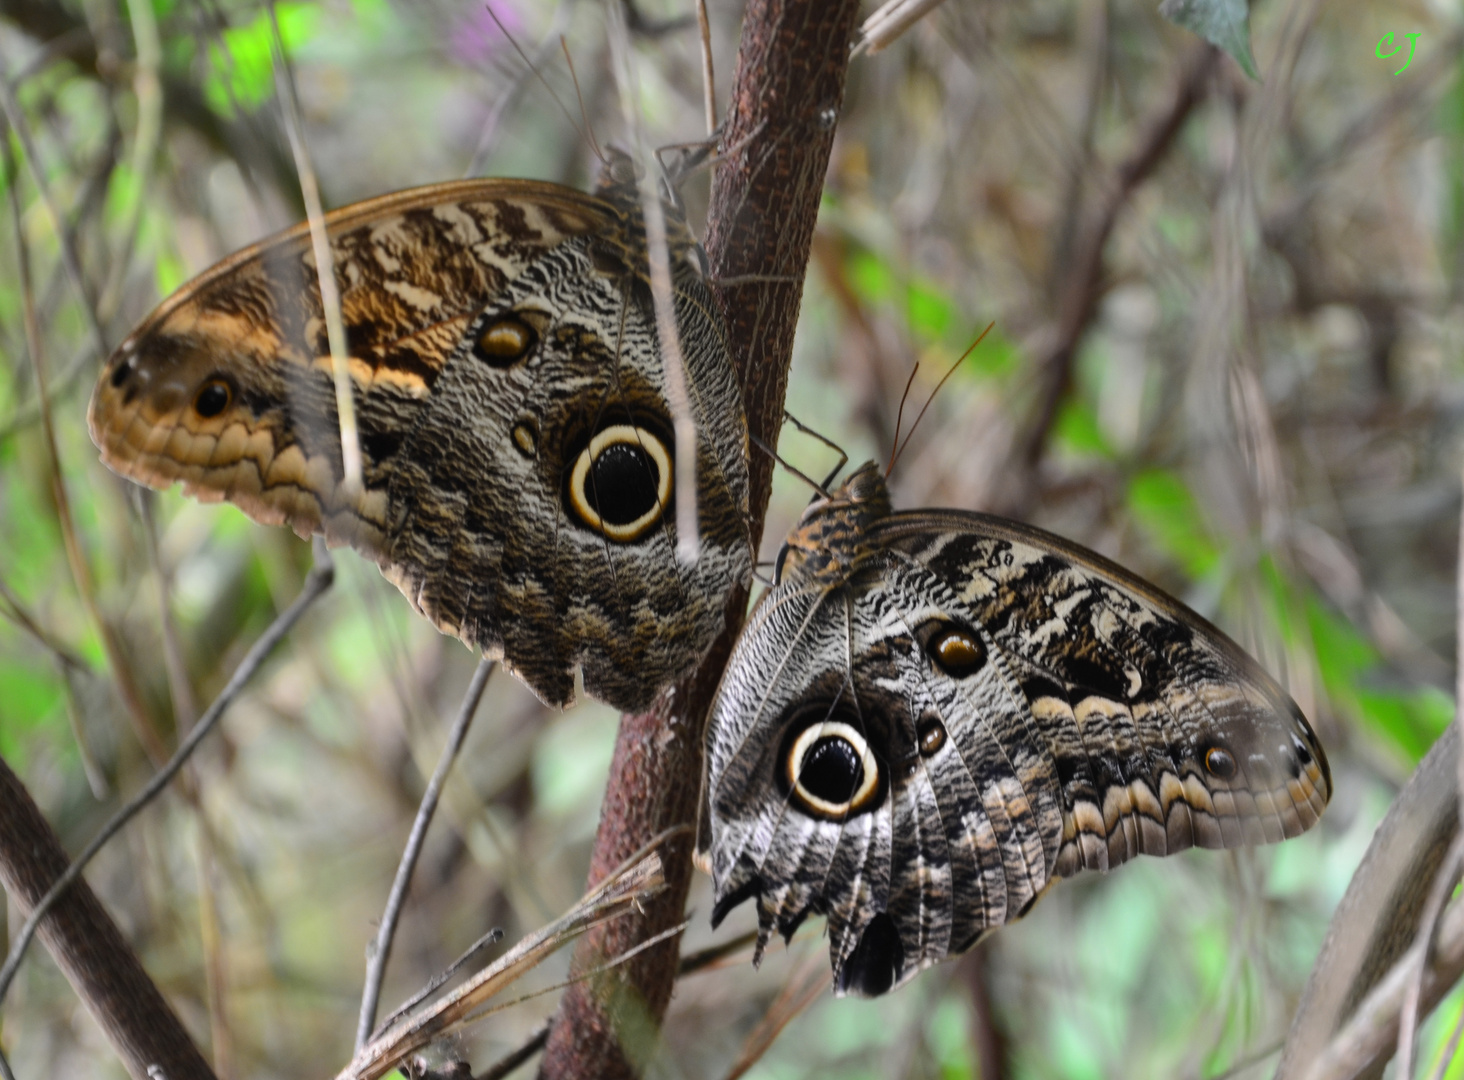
column 829, row 541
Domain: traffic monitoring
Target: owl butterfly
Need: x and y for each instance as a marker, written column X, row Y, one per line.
column 935, row 714
column 512, row 410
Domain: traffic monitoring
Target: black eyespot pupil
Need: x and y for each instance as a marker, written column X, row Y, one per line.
column 1220, row 763
column 622, row 485
column 831, row 770
column 212, row 399
column 120, row 374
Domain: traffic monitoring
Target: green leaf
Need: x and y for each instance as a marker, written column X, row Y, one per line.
column 1077, row 430
column 1223, row 23
column 1166, row 512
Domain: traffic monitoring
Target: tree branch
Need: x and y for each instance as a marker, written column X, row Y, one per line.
column 1083, row 285
column 787, row 91
column 88, row 946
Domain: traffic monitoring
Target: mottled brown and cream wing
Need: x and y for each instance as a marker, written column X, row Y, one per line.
column 512, row 413
column 228, row 388
column 935, row 715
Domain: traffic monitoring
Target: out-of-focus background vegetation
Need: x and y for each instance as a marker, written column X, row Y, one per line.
column 1260, row 413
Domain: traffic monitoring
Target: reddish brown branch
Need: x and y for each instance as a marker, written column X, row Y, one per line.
column 786, row 95
column 88, row 947
column 1082, row 286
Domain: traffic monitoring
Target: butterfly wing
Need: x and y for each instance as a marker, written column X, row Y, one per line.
column 1163, row 732
column 1026, row 709
column 512, row 417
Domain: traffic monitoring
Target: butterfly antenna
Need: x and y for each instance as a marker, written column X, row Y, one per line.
column 580, row 97
column 583, row 132
column 822, row 489
column 900, row 419
column 895, row 456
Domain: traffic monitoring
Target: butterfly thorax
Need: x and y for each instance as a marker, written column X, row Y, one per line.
column 624, row 252
column 831, row 540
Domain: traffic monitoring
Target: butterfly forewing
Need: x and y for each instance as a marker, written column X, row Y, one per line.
column 512, row 414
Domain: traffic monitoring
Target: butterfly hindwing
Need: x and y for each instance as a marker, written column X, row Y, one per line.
column 512, row 417
column 1026, row 708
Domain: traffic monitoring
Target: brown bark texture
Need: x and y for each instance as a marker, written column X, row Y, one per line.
column 89, row 948
column 787, row 90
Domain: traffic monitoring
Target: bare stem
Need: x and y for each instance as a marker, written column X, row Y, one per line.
column 379, row 951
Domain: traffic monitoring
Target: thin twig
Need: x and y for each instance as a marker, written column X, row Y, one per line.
column 6, row 1074
column 69, row 260
column 505, row 1065
column 147, row 87
column 709, row 81
column 1459, row 655
column 1084, row 283
column 330, row 296
column 316, row 582
column 15, row 611
column 379, row 951
column 1250, row 1061
column 438, row 981
column 619, row 894
column 658, row 258
column 1450, row 1049
column 692, row 963
column 804, row 986
column 75, row 556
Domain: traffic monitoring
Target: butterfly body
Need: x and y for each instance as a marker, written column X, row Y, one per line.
column 935, row 714
column 512, row 413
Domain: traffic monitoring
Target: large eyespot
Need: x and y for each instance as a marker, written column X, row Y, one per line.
column 213, row 397
column 1219, row 763
column 505, row 341
column 621, row 482
column 954, row 650
column 831, row 772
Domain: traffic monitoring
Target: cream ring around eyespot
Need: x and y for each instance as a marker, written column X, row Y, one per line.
column 629, row 435
column 806, row 741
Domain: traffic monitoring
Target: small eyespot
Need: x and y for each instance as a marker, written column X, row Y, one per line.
column 525, row 438
column 504, row 342
column 930, row 737
column 1219, row 763
column 1303, row 755
column 213, row 398
column 831, row 771
column 955, row 650
column 621, row 482
column 123, row 371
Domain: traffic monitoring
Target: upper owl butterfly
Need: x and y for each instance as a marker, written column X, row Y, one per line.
column 512, row 411
column 935, row 714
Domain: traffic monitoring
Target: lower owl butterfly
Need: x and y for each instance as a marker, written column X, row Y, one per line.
column 935, row 714
column 514, row 421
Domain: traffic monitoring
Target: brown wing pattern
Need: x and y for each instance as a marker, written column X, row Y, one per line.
column 934, row 715
column 496, row 330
